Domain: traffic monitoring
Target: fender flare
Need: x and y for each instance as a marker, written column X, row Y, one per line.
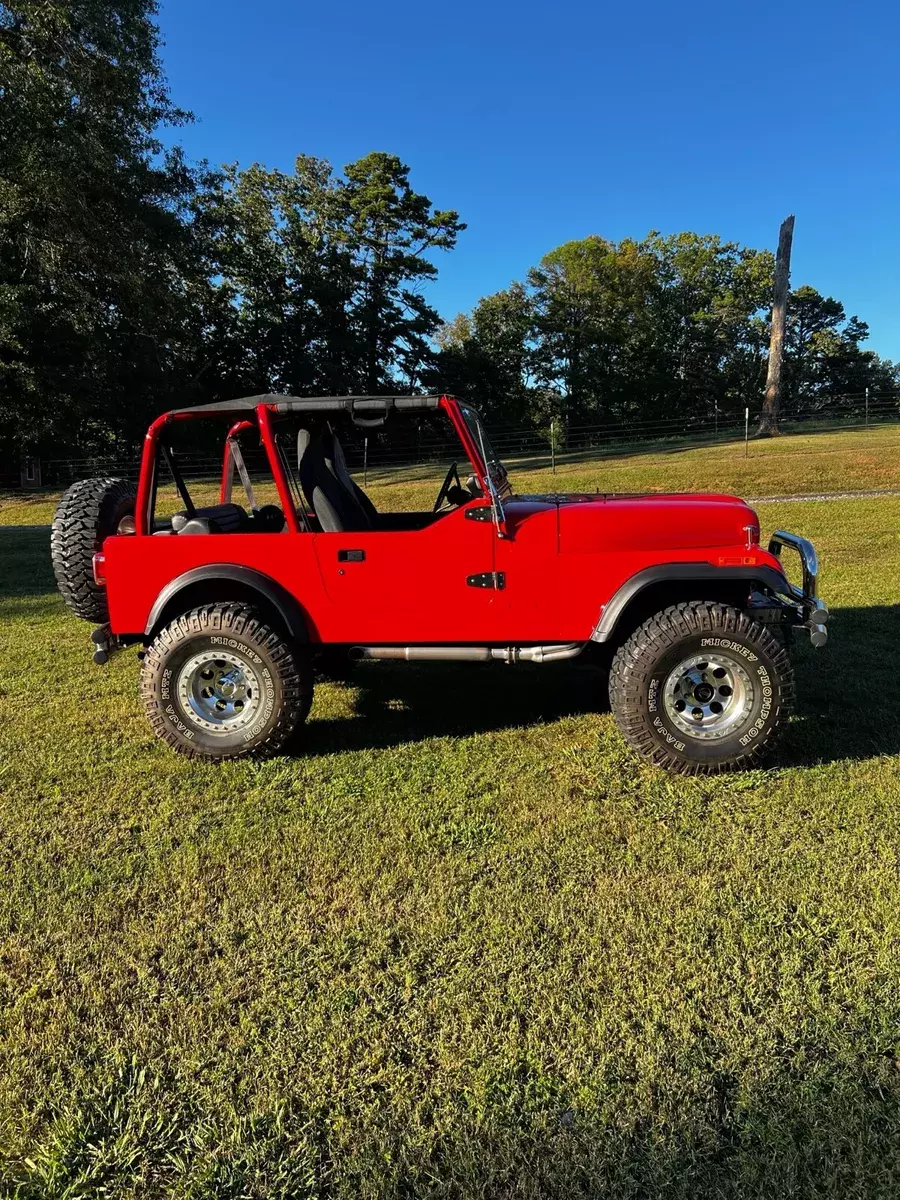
column 289, row 610
column 765, row 576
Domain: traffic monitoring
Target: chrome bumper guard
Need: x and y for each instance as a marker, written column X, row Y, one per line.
column 807, row 597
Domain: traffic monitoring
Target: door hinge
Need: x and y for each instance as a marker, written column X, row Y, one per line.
column 488, row 579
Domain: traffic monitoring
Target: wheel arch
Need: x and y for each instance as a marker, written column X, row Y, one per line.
column 219, row 582
column 655, row 588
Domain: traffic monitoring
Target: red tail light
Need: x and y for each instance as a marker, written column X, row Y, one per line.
column 100, row 570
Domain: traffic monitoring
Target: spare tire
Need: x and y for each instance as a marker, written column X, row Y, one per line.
column 89, row 512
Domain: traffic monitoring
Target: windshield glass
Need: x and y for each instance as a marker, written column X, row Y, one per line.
column 495, row 467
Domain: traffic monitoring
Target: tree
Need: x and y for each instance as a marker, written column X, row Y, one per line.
column 823, row 357
column 391, row 229
column 768, row 420
column 487, row 357
column 708, row 343
column 317, row 276
column 95, row 240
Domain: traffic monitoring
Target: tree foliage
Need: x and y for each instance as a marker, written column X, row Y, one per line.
column 671, row 326
column 131, row 280
column 318, row 277
column 95, row 244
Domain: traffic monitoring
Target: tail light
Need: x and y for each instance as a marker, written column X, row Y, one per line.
column 100, row 570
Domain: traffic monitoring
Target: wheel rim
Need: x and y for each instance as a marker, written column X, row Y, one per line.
column 219, row 692
column 708, row 698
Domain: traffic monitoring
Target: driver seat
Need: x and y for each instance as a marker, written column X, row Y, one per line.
column 334, row 456
column 336, row 506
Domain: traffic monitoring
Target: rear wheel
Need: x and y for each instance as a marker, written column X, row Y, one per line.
column 702, row 688
column 89, row 512
column 219, row 683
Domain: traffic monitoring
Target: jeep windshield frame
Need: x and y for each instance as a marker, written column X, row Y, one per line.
column 493, row 466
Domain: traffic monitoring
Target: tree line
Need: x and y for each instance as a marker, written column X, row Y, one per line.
column 643, row 331
column 132, row 280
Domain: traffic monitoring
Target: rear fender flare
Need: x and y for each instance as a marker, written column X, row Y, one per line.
column 288, row 609
column 702, row 573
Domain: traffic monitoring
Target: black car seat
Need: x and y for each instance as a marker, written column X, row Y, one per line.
column 335, row 505
column 334, row 456
column 216, row 518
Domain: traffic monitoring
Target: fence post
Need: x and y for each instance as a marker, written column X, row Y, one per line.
column 867, row 408
column 746, row 433
column 365, row 462
column 553, row 445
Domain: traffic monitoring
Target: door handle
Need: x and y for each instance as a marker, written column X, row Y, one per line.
column 351, row 555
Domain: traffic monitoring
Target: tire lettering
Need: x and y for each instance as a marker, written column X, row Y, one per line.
column 727, row 644
column 178, row 723
column 673, row 741
column 233, row 645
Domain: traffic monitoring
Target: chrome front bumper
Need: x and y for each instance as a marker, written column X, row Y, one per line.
column 814, row 610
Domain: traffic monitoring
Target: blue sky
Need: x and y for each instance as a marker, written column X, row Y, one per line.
column 545, row 122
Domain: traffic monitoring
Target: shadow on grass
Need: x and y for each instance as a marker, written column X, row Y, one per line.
column 828, row 1132
column 409, row 702
column 25, row 568
column 848, row 697
column 848, row 694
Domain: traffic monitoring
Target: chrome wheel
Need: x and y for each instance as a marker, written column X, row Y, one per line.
column 219, row 692
column 708, row 698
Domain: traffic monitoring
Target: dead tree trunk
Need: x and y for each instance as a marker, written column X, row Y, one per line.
column 768, row 420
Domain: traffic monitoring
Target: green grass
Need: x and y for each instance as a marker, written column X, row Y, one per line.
column 466, row 945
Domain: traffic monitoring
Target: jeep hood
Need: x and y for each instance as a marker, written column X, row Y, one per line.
column 603, row 523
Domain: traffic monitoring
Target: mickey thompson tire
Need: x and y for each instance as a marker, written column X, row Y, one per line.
column 701, row 688
column 219, row 683
column 89, row 512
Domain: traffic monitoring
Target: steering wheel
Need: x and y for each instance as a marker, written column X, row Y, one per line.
column 444, row 493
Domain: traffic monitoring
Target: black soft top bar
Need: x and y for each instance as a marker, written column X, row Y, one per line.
column 287, row 404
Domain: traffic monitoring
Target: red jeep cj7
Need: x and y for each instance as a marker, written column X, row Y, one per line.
column 234, row 604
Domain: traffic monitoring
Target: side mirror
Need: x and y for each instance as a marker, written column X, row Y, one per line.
column 473, row 488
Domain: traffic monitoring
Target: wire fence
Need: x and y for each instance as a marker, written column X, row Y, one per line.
column 401, row 445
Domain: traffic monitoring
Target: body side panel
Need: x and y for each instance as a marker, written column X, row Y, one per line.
column 409, row 586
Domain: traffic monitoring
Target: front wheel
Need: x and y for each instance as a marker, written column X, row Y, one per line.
column 219, row 683
column 702, row 688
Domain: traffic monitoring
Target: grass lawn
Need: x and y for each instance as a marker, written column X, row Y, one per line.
column 466, row 946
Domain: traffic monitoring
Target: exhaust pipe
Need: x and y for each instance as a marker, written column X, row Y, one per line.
column 508, row 654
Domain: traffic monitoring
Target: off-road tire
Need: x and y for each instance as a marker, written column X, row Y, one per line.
column 643, row 665
column 281, row 665
column 88, row 513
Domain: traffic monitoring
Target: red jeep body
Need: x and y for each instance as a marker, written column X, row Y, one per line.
column 559, row 561
column 487, row 574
